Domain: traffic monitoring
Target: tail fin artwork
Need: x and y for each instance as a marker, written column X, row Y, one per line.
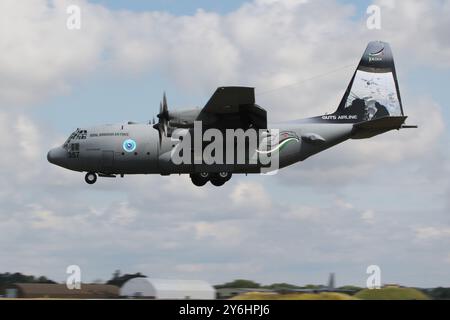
column 372, row 100
column 373, row 92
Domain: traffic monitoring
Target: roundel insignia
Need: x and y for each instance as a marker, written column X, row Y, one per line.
column 129, row 145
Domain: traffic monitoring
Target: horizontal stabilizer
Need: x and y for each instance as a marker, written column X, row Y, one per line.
column 409, row 127
column 375, row 127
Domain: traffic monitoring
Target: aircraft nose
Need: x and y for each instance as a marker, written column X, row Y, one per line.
column 56, row 155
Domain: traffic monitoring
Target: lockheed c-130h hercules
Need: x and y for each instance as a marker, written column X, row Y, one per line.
column 192, row 141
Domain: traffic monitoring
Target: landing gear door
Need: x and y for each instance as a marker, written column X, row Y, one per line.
column 107, row 161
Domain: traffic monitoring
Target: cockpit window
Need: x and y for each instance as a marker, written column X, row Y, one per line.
column 76, row 135
column 82, row 134
column 71, row 137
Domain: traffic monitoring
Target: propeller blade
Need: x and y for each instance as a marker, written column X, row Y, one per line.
column 165, row 108
column 163, row 118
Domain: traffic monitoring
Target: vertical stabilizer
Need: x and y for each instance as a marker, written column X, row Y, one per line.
column 373, row 92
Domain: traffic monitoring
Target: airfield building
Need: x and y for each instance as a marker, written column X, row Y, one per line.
column 148, row 288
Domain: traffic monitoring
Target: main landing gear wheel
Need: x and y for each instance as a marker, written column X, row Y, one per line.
column 90, row 178
column 199, row 179
column 225, row 175
column 219, row 179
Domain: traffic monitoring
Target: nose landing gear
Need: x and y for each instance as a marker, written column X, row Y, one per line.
column 90, row 178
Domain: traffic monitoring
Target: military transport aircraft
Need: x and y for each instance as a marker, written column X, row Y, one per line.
column 371, row 105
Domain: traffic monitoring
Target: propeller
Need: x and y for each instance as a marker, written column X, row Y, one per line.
column 163, row 118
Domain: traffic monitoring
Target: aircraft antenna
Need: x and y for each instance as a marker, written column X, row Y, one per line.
column 305, row 80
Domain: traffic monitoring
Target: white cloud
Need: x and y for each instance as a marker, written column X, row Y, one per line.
column 407, row 24
column 44, row 219
column 28, row 137
column 341, row 203
column 432, row 233
column 368, row 216
column 122, row 214
column 223, row 232
column 39, row 54
column 300, row 213
column 251, row 196
column 216, row 268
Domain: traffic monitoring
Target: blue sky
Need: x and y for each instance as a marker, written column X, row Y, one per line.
column 382, row 201
column 175, row 7
column 189, row 7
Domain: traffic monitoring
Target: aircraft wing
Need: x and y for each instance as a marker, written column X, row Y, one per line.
column 233, row 108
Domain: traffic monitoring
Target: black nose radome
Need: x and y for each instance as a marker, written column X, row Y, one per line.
column 56, row 155
column 50, row 156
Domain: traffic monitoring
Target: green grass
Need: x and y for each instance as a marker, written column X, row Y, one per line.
column 293, row 296
column 387, row 293
column 391, row 293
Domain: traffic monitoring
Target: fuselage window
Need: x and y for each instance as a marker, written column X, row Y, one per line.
column 74, row 151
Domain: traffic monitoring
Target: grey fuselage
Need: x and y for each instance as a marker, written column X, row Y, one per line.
column 101, row 149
